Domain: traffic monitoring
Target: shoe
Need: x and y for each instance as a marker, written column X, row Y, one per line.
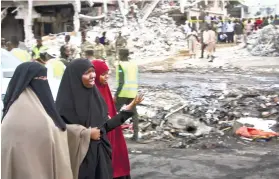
column 212, row 58
column 141, row 141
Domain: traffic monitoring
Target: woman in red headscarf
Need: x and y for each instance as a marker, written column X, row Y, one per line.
column 120, row 158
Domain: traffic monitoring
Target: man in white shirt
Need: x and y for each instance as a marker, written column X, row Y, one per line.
column 187, row 30
column 230, row 31
column 207, row 18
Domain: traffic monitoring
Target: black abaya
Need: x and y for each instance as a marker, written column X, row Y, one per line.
column 85, row 106
column 28, row 75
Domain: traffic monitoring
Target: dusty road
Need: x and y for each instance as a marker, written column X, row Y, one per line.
column 192, row 85
column 245, row 163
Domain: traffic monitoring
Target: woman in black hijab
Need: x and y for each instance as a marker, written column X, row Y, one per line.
column 34, row 140
column 79, row 102
column 33, row 75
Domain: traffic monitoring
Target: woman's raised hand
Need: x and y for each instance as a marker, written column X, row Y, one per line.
column 137, row 100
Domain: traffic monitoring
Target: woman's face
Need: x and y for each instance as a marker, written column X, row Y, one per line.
column 104, row 78
column 88, row 78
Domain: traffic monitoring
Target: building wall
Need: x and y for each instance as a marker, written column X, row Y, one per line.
column 12, row 27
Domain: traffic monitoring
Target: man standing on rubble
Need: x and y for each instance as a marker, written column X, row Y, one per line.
column 72, row 47
column 89, row 53
column 120, row 43
column 203, row 28
column 238, row 30
column 103, row 39
column 187, row 30
column 65, row 55
column 99, row 49
column 84, row 44
column 22, row 55
column 127, row 90
column 38, row 49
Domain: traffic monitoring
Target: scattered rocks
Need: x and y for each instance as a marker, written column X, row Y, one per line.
column 183, row 122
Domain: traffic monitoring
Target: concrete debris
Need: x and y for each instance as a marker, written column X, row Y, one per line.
column 158, row 36
column 213, row 115
column 264, row 42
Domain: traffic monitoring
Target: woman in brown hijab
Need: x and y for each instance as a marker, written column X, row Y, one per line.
column 36, row 143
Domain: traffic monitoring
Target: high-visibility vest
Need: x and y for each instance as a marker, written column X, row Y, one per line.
column 58, row 68
column 22, row 55
column 130, row 87
column 38, row 51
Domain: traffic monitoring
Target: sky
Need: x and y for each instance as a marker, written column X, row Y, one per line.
column 261, row 2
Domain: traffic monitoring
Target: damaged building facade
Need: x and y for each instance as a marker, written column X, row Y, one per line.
column 28, row 19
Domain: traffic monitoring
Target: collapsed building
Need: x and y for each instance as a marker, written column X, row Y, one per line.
column 29, row 18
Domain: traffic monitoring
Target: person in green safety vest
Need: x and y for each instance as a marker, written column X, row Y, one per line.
column 38, row 49
column 127, row 90
column 22, row 55
column 55, row 69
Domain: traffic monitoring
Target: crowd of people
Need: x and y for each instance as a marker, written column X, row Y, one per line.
column 60, row 119
column 214, row 30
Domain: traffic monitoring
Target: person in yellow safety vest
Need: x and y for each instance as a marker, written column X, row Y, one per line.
column 55, row 69
column 22, row 55
column 38, row 49
column 127, row 90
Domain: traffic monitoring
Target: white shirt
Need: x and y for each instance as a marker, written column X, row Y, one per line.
column 187, row 29
column 220, row 27
column 230, row 27
column 207, row 19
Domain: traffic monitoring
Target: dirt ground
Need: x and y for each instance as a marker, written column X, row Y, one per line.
column 249, row 162
column 210, row 157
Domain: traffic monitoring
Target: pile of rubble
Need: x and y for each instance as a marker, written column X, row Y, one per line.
column 213, row 115
column 56, row 41
column 157, row 36
column 264, row 42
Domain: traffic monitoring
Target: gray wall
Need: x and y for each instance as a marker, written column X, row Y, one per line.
column 12, row 27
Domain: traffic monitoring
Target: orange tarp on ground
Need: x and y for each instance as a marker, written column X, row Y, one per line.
column 250, row 132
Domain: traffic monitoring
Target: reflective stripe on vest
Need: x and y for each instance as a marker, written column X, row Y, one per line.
column 130, row 87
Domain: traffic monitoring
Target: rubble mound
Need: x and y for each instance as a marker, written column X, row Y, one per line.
column 215, row 115
column 264, row 42
column 157, row 36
